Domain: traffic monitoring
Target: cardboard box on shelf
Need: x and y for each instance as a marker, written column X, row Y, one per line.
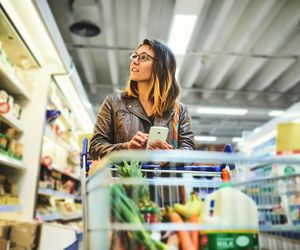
column 4, row 244
column 25, row 235
column 4, row 230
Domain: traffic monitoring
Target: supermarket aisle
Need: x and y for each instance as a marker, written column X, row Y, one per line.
column 239, row 72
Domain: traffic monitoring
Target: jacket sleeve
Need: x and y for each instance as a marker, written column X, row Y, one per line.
column 185, row 133
column 102, row 141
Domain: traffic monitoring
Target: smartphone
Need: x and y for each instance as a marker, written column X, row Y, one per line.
column 157, row 133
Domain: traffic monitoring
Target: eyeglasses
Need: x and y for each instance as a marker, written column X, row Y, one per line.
column 141, row 57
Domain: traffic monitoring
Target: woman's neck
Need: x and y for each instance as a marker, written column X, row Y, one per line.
column 144, row 91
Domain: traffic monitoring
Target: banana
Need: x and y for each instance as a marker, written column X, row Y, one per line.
column 192, row 208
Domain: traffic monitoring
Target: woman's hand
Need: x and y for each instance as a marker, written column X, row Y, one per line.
column 160, row 145
column 138, row 141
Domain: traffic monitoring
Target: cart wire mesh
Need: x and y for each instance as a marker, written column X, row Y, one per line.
column 276, row 198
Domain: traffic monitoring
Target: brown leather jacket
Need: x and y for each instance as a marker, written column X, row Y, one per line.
column 121, row 116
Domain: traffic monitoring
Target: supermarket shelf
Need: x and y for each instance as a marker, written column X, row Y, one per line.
column 12, row 121
column 10, row 208
column 297, row 222
column 294, row 206
column 49, row 217
column 12, row 84
column 64, row 116
column 11, row 162
column 55, row 139
column 50, row 192
column 77, row 178
column 72, row 217
column 279, row 228
column 265, row 206
column 58, row 216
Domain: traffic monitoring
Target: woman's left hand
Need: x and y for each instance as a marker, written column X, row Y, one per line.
column 160, row 145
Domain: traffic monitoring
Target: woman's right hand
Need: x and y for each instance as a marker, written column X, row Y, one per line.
column 138, row 141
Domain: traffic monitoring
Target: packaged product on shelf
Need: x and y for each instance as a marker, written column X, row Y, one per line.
column 17, row 111
column 12, row 148
column 14, row 189
column 52, row 115
column 2, row 191
column 3, row 141
column 19, row 150
column 4, row 102
column 2, row 179
column 286, row 169
column 2, row 200
column 3, row 96
column 12, row 200
column 10, row 132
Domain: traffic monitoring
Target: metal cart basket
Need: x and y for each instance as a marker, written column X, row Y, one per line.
column 277, row 199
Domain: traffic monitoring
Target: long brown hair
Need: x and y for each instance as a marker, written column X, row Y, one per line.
column 164, row 89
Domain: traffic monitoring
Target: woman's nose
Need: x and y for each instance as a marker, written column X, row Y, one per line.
column 136, row 60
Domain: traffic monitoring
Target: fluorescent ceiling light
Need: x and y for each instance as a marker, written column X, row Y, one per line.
column 275, row 113
column 256, row 130
column 181, row 32
column 221, row 111
column 237, row 139
column 205, row 138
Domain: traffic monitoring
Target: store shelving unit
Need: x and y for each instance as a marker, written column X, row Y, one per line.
column 33, row 58
column 59, row 142
column 280, row 210
column 10, row 208
column 24, row 85
column 11, row 162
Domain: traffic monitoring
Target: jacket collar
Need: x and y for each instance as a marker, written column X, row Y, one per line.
column 134, row 106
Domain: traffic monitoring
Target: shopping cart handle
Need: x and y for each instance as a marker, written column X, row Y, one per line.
column 85, row 164
column 84, row 146
column 206, row 168
column 228, row 149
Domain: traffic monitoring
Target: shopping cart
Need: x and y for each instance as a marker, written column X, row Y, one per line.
column 100, row 229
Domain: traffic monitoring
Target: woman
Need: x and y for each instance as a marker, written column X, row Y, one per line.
column 150, row 99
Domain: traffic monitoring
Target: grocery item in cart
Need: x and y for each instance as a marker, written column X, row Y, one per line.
column 236, row 217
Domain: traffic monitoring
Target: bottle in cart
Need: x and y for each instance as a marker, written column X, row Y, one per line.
column 233, row 218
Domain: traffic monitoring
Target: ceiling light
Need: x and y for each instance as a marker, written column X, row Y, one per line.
column 205, row 138
column 181, row 32
column 237, row 139
column 256, row 130
column 275, row 113
column 221, row 111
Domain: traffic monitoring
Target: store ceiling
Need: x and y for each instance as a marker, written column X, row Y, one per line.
column 242, row 54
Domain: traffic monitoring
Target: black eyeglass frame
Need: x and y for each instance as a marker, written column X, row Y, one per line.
column 133, row 55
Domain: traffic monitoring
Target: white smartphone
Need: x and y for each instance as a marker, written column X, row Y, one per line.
column 157, row 133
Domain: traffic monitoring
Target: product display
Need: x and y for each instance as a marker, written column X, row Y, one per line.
column 59, row 197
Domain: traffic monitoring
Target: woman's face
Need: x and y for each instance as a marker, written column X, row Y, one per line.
column 141, row 71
